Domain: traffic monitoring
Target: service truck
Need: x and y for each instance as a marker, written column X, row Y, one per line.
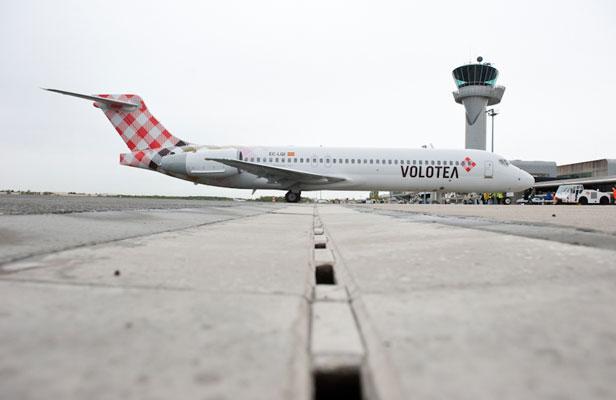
column 576, row 194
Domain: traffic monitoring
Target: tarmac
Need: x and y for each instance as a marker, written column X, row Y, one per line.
column 110, row 299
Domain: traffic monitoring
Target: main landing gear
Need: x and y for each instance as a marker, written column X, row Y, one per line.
column 293, row 197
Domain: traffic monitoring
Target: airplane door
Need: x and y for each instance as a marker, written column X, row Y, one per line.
column 488, row 170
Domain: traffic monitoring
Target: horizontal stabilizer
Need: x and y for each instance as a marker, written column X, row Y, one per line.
column 113, row 103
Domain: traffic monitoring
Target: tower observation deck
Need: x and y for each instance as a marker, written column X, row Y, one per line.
column 476, row 89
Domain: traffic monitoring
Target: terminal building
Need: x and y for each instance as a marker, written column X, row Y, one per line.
column 587, row 169
column 594, row 174
column 540, row 170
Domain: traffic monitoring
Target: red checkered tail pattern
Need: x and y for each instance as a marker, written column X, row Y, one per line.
column 136, row 125
column 147, row 159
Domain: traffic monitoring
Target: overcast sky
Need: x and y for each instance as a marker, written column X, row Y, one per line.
column 331, row 73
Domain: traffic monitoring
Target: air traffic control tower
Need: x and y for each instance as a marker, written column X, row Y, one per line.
column 476, row 89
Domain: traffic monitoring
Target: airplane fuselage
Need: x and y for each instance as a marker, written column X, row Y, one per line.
column 363, row 169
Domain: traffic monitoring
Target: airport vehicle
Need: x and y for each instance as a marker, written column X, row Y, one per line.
column 539, row 199
column 297, row 169
column 535, row 199
column 576, row 194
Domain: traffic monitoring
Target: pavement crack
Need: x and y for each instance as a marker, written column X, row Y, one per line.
column 158, row 288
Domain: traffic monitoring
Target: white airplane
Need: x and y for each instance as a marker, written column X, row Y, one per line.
column 297, row 169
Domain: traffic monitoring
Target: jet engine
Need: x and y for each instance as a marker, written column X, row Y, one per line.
column 195, row 163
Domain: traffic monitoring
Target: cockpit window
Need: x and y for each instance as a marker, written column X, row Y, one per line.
column 504, row 162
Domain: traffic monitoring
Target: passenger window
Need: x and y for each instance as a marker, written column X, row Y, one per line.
column 346, row 160
column 314, row 160
column 340, row 161
column 457, row 163
column 365, row 161
column 432, row 162
column 271, row 159
column 389, row 161
column 377, row 161
column 295, row 160
column 258, row 159
column 420, row 162
column 277, row 159
column 396, row 162
column 462, row 163
column 438, row 162
column 352, row 161
column 371, row 160
column 282, row 160
column 414, row 162
column 334, row 160
column 320, row 161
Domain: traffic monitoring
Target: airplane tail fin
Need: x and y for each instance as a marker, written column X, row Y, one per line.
column 132, row 120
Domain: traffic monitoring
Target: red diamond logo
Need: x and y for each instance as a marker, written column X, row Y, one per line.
column 469, row 164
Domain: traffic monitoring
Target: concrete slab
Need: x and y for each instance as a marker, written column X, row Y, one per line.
column 320, row 241
column 335, row 340
column 302, row 209
column 461, row 313
column 594, row 218
column 226, row 257
column 216, row 311
column 22, row 236
column 514, row 223
column 330, row 293
column 79, row 342
column 323, row 256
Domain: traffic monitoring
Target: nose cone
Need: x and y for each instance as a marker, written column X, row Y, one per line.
column 524, row 181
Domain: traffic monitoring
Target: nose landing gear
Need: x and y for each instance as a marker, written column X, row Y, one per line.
column 293, row 197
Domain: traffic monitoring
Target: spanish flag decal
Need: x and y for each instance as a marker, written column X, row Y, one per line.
column 290, row 154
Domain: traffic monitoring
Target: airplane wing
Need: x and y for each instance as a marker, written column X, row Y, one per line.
column 278, row 174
